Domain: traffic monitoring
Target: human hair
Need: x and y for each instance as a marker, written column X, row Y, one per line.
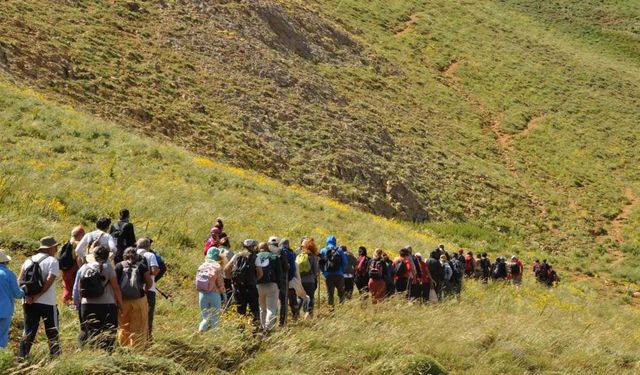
column 103, row 223
column 378, row 253
column 309, row 246
column 130, row 253
column 124, row 214
column 101, row 254
column 404, row 252
column 263, row 246
column 225, row 242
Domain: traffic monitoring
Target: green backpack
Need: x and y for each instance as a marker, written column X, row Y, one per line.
column 303, row 263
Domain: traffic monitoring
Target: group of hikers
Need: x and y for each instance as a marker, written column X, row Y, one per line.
column 109, row 276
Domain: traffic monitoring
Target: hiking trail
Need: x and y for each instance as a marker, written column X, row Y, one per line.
column 408, row 25
column 532, row 124
column 623, row 216
column 494, row 123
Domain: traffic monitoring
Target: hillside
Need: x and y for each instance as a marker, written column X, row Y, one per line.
column 512, row 118
column 60, row 167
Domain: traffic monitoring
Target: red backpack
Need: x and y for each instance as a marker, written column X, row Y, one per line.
column 468, row 263
column 361, row 266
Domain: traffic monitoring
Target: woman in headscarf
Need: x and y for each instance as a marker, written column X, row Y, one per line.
column 211, row 292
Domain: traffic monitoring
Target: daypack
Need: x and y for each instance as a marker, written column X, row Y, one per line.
column 332, row 260
column 91, row 282
column 117, row 232
column 204, row 282
column 240, row 271
column 130, row 282
column 65, row 257
column 31, row 278
column 401, row 269
column 349, row 268
column 304, row 263
column 455, row 269
column 515, row 269
column 270, row 273
column 375, row 270
column 361, row 267
column 542, row 272
column 468, row 263
column 162, row 267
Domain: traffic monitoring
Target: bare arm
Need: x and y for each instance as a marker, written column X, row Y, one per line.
column 259, row 273
column 147, row 281
column 228, row 268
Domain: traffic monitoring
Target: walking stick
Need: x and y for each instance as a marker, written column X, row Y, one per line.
column 168, row 297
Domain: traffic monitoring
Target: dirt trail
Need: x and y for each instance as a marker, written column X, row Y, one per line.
column 532, row 124
column 619, row 221
column 494, row 123
column 408, row 26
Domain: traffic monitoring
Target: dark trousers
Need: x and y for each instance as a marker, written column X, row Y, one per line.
column 310, row 289
column 348, row 287
column 32, row 315
column 415, row 291
column 401, row 284
column 247, row 295
column 424, row 294
column 292, row 300
column 439, row 288
column 98, row 325
column 390, row 287
column 362, row 283
column 151, row 300
column 335, row 282
column 228, row 288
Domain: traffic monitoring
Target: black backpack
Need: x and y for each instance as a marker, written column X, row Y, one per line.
column 332, row 260
column 65, row 257
column 92, row 282
column 401, row 269
column 515, row 269
column 241, row 269
column 376, row 270
column 271, row 273
column 32, row 279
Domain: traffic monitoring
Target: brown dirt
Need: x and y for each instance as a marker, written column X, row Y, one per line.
column 408, row 26
column 532, row 124
column 620, row 220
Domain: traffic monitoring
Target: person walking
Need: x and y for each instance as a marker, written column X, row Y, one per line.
column 268, row 280
column 516, row 269
column 134, row 280
column 307, row 263
column 448, row 274
column 9, row 290
column 349, row 272
column 96, row 294
column 389, row 275
column 244, row 274
column 123, row 234
column 213, row 240
column 436, row 272
column 143, row 249
column 211, row 292
column 70, row 264
column 297, row 295
column 377, row 269
column 425, row 279
column 225, row 256
column 361, row 278
column 332, row 263
column 37, row 277
column 404, row 271
column 98, row 237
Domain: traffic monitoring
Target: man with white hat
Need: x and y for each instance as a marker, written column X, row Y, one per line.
column 9, row 290
column 37, row 277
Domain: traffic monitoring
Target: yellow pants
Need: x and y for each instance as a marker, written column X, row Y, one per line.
column 133, row 323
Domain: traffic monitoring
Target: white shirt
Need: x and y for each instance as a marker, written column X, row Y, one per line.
column 106, row 240
column 152, row 261
column 48, row 266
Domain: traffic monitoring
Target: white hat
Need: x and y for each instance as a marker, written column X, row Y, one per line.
column 273, row 240
column 4, row 258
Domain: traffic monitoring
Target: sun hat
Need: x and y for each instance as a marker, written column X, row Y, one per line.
column 4, row 258
column 47, row 243
column 273, row 240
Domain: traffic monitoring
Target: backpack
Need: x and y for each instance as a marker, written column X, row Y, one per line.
column 32, row 278
column 515, row 269
column 162, row 267
column 349, row 268
column 240, row 272
column 332, row 260
column 375, row 270
column 270, row 273
column 65, row 257
column 542, row 272
column 91, row 282
column 361, row 267
column 401, row 269
column 304, row 263
column 130, row 281
column 204, row 282
column 468, row 263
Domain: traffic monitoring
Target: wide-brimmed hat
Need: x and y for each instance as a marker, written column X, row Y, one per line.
column 4, row 258
column 47, row 243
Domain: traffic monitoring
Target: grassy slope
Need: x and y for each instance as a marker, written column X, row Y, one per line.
column 61, row 167
column 368, row 116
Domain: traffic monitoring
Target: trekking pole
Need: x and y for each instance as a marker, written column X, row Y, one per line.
column 226, row 306
column 168, row 297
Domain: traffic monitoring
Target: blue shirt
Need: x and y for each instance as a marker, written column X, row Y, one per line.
column 343, row 263
column 291, row 259
column 9, row 290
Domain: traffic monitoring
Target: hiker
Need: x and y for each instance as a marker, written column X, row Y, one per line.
column 536, row 267
column 457, row 266
column 361, row 277
column 403, row 270
column 377, row 269
column 143, row 247
column 389, row 275
column 499, row 269
column 210, row 287
column 244, row 274
column 469, row 264
column 516, row 269
column 543, row 272
column 415, row 287
column 37, row 277
column 424, row 280
column 225, row 256
column 486, row 267
column 213, row 240
column 296, row 293
column 349, row 272
column 134, row 280
column 269, row 279
column 123, row 234
column 332, row 263
column 162, row 267
column 96, row 294
column 436, row 272
column 98, row 237
column 69, row 264
column 307, row 264
column 447, row 273
column 286, row 262
column 552, row 276
column 9, row 290
column 477, row 273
